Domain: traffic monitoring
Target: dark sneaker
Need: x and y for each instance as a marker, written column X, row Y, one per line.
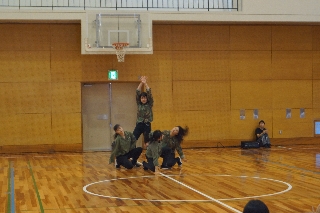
column 144, row 165
column 165, row 167
column 179, row 161
column 137, row 165
column 116, row 164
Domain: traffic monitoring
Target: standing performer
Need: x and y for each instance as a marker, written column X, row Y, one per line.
column 125, row 149
column 171, row 142
column 144, row 114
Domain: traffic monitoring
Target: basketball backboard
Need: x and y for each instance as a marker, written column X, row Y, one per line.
column 105, row 29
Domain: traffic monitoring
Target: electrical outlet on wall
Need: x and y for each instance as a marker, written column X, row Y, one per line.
column 280, row 132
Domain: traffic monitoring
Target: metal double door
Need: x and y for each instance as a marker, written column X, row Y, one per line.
column 103, row 106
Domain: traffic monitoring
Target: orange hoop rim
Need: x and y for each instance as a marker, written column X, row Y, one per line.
column 120, row 45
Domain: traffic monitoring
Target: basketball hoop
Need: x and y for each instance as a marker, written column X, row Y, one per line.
column 120, row 48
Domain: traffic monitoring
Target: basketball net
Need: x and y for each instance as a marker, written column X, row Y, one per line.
column 120, row 48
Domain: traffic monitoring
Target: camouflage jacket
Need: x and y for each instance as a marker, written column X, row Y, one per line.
column 123, row 145
column 154, row 151
column 144, row 113
column 171, row 142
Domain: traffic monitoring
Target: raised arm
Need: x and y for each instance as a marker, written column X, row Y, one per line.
column 139, row 86
column 148, row 90
column 138, row 90
column 144, row 81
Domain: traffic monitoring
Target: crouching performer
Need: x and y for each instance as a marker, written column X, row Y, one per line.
column 153, row 152
column 124, row 151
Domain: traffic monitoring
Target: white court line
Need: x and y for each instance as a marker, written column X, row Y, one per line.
column 207, row 196
column 168, row 176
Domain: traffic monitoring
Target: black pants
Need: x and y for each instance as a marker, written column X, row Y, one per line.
column 169, row 159
column 149, row 165
column 142, row 128
column 123, row 160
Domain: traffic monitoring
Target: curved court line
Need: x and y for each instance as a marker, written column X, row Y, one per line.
column 276, row 193
column 168, row 176
column 207, row 196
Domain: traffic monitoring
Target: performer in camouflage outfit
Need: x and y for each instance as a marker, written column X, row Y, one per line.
column 124, row 149
column 144, row 114
column 171, row 142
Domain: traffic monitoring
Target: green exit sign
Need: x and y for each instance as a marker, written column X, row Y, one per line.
column 113, row 75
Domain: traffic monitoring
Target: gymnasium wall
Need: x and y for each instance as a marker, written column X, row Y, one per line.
column 201, row 76
column 219, row 69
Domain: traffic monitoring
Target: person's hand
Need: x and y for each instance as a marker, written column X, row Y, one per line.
column 146, row 144
column 144, row 79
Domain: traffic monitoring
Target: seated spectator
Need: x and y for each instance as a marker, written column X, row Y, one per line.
column 262, row 135
column 255, row 206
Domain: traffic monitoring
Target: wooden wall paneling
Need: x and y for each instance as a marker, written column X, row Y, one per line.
column 164, row 119
column 25, row 129
column 292, row 94
column 244, row 129
column 316, row 65
column 190, row 73
column 292, row 65
column 316, row 38
column 159, row 68
column 136, row 65
column 20, row 37
column 316, row 94
column 205, row 125
column 250, row 37
column 163, row 109
column 95, row 67
column 201, row 65
column 10, row 37
column 33, row 97
column 162, row 95
column 293, row 127
column 18, row 98
column 35, row 36
column 66, row 36
column 316, row 113
column 66, row 97
column 66, row 128
column 250, row 65
column 66, row 66
column 200, row 37
column 6, row 101
column 25, row 66
column 162, row 37
column 251, row 94
column 292, row 37
column 201, row 95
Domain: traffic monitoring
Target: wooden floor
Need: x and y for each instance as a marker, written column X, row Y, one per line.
column 220, row 180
